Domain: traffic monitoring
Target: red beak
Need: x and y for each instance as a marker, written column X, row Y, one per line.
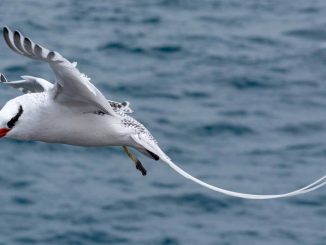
column 4, row 131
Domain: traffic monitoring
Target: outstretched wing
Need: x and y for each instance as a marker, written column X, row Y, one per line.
column 28, row 84
column 72, row 87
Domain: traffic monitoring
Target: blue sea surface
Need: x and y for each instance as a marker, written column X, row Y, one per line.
column 235, row 93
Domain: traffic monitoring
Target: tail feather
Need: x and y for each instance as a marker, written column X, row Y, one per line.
column 311, row 187
column 153, row 147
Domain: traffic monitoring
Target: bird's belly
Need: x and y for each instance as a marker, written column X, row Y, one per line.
column 84, row 139
column 88, row 130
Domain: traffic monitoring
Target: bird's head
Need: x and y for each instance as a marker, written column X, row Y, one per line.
column 9, row 117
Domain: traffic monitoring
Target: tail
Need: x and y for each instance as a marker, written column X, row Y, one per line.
column 153, row 147
column 313, row 186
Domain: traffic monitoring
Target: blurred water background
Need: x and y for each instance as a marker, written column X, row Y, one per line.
column 234, row 91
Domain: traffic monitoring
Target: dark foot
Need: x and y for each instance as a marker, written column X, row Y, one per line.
column 141, row 168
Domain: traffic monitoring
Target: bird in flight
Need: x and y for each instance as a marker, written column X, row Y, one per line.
column 73, row 111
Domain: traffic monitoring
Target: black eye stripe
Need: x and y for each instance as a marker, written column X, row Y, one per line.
column 13, row 120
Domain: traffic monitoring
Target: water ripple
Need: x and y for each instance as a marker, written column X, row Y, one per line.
column 236, row 83
column 221, row 128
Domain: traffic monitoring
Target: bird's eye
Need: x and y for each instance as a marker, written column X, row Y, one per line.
column 13, row 120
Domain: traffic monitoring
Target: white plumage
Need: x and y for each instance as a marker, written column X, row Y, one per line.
column 73, row 111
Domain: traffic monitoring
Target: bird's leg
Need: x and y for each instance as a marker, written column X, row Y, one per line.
column 138, row 164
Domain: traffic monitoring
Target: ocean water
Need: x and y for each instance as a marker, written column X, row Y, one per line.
column 235, row 93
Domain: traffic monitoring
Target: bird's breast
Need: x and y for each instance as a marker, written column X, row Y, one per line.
column 59, row 124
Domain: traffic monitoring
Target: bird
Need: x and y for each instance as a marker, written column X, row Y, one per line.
column 73, row 111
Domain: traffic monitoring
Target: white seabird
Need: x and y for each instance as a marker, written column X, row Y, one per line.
column 73, row 111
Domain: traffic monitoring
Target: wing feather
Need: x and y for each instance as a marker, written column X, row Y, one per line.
column 29, row 84
column 6, row 35
column 72, row 85
column 28, row 46
column 18, row 44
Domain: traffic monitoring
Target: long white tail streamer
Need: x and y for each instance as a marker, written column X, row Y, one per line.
column 311, row 187
column 154, row 148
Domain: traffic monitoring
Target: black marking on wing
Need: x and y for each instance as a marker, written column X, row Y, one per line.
column 38, row 50
column 25, row 46
column 28, row 45
column 8, row 41
column 17, row 41
column 13, row 120
column 51, row 55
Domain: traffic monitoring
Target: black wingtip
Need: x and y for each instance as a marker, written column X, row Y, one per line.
column 11, row 43
column 28, row 46
column 16, row 34
column 51, row 55
column 27, row 41
column 38, row 50
column 5, row 31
